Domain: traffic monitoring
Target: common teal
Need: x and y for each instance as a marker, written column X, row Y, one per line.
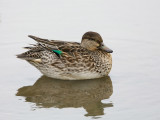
column 70, row 60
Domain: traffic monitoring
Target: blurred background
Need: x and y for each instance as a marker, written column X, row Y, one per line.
column 131, row 28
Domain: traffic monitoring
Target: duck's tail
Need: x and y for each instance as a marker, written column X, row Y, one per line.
column 29, row 55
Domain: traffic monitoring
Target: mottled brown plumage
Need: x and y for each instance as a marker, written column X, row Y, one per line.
column 70, row 60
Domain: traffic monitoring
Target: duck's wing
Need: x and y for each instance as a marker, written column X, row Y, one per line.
column 58, row 46
column 67, row 51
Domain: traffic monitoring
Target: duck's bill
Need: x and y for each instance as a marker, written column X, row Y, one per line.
column 105, row 48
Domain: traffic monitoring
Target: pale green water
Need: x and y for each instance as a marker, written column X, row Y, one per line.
column 130, row 28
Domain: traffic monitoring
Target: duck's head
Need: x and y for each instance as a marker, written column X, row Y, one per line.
column 93, row 41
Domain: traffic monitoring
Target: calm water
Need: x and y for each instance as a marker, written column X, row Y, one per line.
column 130, row 92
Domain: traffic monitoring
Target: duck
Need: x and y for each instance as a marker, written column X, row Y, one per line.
column 70, row 60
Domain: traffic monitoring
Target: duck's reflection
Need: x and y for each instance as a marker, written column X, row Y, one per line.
column 48, row 92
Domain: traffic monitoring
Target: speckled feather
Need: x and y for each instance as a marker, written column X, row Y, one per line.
column 75, row 62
